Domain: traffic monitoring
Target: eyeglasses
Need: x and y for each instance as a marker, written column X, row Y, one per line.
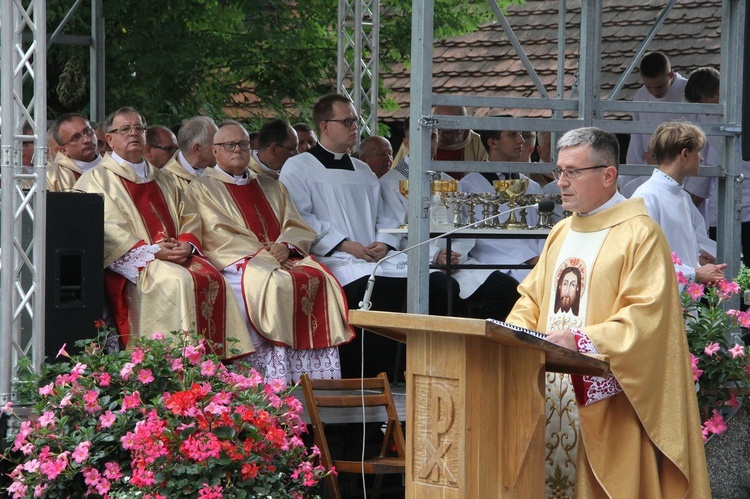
column 573, row 173
column 348, row 122
column 125, row 130
column 229, row 146
column 169, row 149
column 87, row 132
column 289, row 148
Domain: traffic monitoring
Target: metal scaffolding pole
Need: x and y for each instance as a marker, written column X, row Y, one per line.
column 23, row 190
column 585, row 107
column 358, row 56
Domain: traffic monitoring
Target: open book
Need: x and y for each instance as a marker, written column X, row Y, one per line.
column 520, row 329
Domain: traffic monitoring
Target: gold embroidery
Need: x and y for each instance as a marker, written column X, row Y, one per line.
column 162, row 234
column 308, row 304
column 265, row 240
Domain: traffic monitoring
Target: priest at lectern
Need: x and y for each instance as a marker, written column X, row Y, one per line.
column 605, row 284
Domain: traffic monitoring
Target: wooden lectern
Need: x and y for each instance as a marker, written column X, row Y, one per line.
column 475, row 403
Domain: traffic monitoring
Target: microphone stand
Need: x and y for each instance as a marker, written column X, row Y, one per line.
column 366, row 304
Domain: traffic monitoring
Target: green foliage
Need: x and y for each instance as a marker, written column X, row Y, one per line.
column 177, row 58
column 719, row 360
column 743, row 278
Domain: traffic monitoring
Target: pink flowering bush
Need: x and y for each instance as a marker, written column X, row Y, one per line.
column 166, row 419
column 718, row 355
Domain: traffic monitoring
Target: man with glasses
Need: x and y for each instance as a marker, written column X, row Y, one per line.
column 277, row 142
column 640, row 431
column 156, row 276
column 195, row 139
column 161, row 144
column 295, row 308
column 339, row 197
column 77, row 151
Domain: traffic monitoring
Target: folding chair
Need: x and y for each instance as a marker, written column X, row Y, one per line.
column 345, row 394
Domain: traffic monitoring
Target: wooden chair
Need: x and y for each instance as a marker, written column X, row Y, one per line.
column 345, row 394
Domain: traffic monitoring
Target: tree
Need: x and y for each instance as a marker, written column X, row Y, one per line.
column 177, row 58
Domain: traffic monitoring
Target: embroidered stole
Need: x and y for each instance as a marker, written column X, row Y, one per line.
column 208, row 283
column 571, row 291
column 309, row 301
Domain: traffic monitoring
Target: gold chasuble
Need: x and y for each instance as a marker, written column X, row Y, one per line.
column 165, row 296
column 179, row 174
column 602, row 274
column 62, row 173
column 300, row 306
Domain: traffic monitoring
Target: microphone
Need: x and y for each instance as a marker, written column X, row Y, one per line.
column 545, row 205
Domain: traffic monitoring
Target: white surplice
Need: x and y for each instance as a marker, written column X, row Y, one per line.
column 342, row 204
column 683, row 225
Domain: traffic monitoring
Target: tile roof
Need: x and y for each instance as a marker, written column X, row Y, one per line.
column 484, row 63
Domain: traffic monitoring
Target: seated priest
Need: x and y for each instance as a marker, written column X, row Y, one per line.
column 295, row 308
column 156, row 276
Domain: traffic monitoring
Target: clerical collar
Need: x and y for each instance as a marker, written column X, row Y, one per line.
column 237, row 179
column 613, row 201
column 333, row 160
column 138, row 168
column 87, row 165
column 263, row 165
column 186, row 164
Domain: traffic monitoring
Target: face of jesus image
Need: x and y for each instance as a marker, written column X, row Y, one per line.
column 567, row 298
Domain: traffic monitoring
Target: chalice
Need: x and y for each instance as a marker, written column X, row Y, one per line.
column 403, row 188
column 516, row 188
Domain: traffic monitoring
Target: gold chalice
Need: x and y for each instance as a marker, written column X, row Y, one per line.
column 403, row 188
column 516, row 187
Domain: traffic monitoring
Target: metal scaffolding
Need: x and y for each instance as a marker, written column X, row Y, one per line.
column 23, row 101
column 358, row 55
column 587, row 108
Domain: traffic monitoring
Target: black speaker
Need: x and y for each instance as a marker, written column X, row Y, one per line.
column 745, row 137
column 75, row 273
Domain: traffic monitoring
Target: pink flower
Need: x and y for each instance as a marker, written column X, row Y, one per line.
column 681, row 279
column 208, row 368
column 192, row 353
column 40, row 489
column 695, row 291
column 207, row 492
column 47, row 419
column 737, row 351
column 716, row 424
column 727, row 288
column 7, row 408
column 676, row 259
column 158, row 336
column 177, row 364
column 112, row 470
column 104, row 379
column 694, row 364
column 131, row 401
column 126, row 371
column 47, row 390
column 63, row 352
column 711, row 349
column 81, row 452
column 145, row 376
column 136, row 356
column 78, row 370
column 743, row 318
column 107, row 419
column 276, row 385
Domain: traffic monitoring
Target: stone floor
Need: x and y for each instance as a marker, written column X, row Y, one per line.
column 728, row 457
